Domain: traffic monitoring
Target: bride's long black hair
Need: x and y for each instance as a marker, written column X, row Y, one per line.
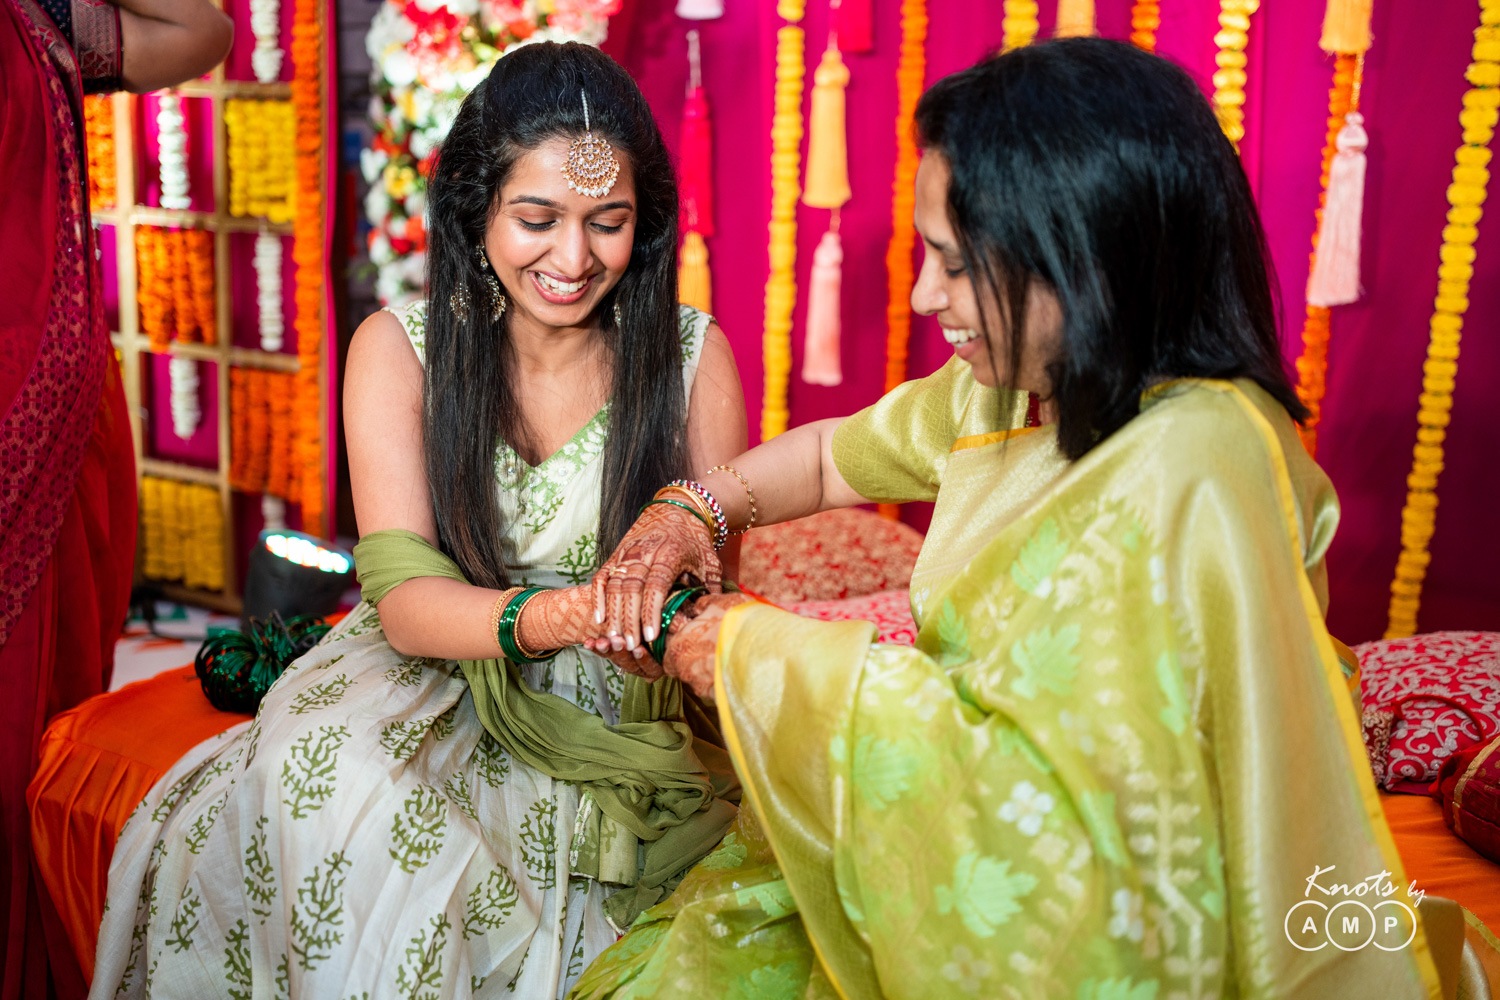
column 531, row 96
column 1100, row 171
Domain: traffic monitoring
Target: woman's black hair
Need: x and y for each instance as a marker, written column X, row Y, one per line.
column 1101, row 172
column 533, row 95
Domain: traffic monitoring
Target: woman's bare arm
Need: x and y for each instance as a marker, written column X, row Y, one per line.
column 167, row 42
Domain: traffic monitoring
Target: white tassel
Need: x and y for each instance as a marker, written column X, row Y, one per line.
column 1335, row 275
column 183, row 377
column 820, row 351
column 171, row 152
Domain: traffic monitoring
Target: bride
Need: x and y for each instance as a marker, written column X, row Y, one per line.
column 410, row 813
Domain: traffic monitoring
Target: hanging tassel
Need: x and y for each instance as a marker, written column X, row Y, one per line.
column 1075, row 18
column 852, row 23
column 1335, row 275
column 827, row 186
column 820, row 351
column 827, row 153
column 694, row 283
column 700, row 10
column 696, row 174
column 1346, row 27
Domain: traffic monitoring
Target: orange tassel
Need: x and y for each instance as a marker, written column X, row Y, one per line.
column 1335, row 275
column 1346, row 27
column 1075, row 18
column 827, row 152
column 820, row 351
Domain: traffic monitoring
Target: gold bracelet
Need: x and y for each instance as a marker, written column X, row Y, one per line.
column 500, row 602
column 690, row 497
column 749, row 494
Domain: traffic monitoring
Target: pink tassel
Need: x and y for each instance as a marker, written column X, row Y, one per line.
column 820, row 351
column 1335, row 275
column 852, row 24
column 696, row 179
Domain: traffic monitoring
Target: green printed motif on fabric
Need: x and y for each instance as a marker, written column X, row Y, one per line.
column 204, row 824
column 459, row 793
column 784, row 979
column 728, row 855
column 1097, row 810
column 185, row 920
column 309, row 771
column 260, row 876
column 490, row 903
column 984, row 893
column 953, row 637
column 320, row 696
column 237, row 974
column 774, row 898
column 420, row 975
column 538, row 838
column 417, row 831
column 1039, row 559
column 491, row 761
column 1048, row 661
column 884, row 769
column 1177, row 713
column 581, row 559
column 319, row 912
column 406, row 673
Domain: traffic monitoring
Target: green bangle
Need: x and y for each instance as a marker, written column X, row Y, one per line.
column 686, row 595
column 678, row 503
column 506, row 633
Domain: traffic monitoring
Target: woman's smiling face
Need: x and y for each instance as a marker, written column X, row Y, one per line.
column 946, row 290
column 558, row 252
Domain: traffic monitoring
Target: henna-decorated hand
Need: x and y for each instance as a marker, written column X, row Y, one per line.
column 664, row 544
column 554, row 619
column 693, row 642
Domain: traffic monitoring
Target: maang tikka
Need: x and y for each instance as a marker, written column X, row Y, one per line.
column 591, row 168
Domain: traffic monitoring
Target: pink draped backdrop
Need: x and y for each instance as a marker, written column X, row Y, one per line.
column 1411, row 100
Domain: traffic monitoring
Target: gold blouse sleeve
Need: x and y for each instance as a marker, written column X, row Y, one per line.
column 895, row 450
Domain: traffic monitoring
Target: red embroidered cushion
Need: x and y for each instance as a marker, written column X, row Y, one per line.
column 835, row 554
column 1408, row 676
column 1469, row 789
column 890, row 611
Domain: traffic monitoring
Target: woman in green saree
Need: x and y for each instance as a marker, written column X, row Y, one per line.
column 1121, row 761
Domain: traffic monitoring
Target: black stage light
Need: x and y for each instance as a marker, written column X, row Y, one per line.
column 294, row 574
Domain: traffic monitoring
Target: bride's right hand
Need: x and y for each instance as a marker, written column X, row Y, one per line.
column 664, row 544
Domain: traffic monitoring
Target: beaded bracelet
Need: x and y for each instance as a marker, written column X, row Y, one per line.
column 658, row 646
column 749, row 494
column 721, row 524
column 505, row 634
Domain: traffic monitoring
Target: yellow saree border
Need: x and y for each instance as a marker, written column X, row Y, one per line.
column 993, row 437
column 728, row 631
column 1328, row 657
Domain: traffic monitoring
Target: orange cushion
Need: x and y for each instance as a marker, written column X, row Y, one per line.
column 1438, row 861
column 97, row 762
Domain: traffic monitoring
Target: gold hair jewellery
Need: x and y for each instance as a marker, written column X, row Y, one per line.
column 591, row 169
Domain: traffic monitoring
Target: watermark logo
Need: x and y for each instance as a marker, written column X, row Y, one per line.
column 1352, row 916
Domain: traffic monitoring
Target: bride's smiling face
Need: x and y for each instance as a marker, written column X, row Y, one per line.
column 558, row 252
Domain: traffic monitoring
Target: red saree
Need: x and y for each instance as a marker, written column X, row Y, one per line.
column 67, row 479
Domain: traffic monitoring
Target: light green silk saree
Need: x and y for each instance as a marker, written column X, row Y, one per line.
column 1120, row 748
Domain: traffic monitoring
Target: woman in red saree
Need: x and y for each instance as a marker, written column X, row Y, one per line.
column 67, row 475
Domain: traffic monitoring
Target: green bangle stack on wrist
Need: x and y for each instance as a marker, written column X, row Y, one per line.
column 505, row 634
column 675, row 603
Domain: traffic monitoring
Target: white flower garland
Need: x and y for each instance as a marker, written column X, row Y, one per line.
column 183, row 374
column 265, row 22
column 268, row 291
column 171, row 152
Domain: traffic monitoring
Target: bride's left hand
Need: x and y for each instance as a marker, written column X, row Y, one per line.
column 693, row 641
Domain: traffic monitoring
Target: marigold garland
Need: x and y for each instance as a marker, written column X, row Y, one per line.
column 260, row 158
column 911, row 67
column 99, row 137
column 1229, row 78
column 1145, row 18
column 786, row 170
column 307, row 257
column 182, row 533
column 262, row 436
column 1481, row 110
column 1312, row 365
column 1019, row 24
column 175, row 286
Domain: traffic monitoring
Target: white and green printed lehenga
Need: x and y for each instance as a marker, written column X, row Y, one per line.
column 365, row 835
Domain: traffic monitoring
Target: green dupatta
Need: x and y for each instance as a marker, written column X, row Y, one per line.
column 655, row 800
column 1119, row 749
